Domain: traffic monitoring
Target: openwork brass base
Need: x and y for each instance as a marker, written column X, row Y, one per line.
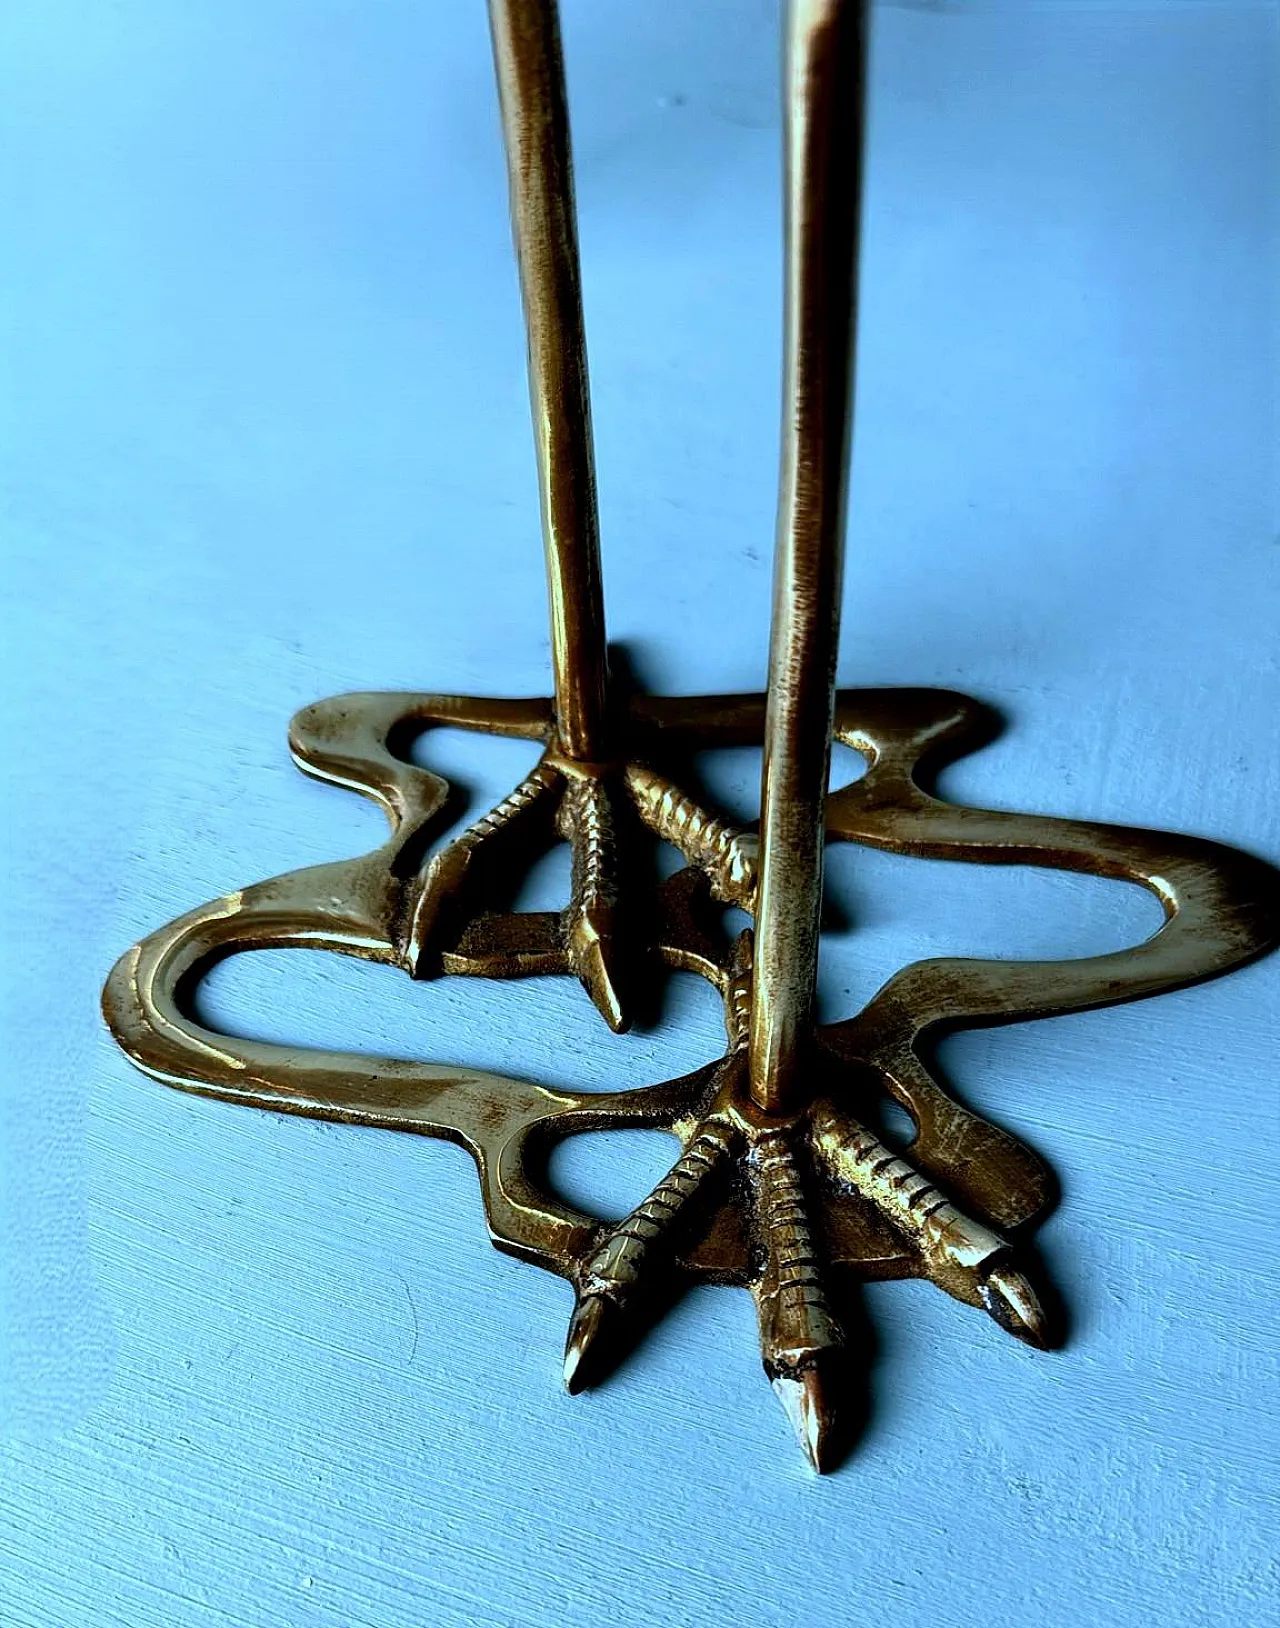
column 780, row 1203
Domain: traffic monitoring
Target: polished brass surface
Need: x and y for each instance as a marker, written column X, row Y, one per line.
column 535, row 121
column 784, row 1204
column 787, row 1181
column 823, row 103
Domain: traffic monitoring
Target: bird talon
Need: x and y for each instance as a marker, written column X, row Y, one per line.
column 799, row 1335
column 586, row 823
column 960, row 1254
column 614, row 1276
column 440, row 891
column 1009, row 1298
column 727, row 856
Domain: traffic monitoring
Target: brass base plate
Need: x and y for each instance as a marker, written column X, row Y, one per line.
column 772, row 1203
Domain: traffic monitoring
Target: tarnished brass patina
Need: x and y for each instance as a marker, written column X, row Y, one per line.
column 784, row 1182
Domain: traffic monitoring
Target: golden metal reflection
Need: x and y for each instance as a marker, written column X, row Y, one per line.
column 784, row 1183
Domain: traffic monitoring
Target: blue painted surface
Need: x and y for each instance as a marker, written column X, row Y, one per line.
column 268, row 441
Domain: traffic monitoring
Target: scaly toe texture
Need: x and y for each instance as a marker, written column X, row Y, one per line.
column 615, row 1275
column 799, row 1335
column 960, row 1254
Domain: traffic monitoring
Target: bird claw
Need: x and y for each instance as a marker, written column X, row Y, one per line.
column 613, row 1278
column 808, row 1401
column 594, row 934
column 782, row 1161
column 586, row 822
column 960, row 1254
column 439, row 897
column 1013, row 1303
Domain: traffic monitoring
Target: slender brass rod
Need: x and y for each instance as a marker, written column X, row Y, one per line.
column 823, row 98
column 535, row 123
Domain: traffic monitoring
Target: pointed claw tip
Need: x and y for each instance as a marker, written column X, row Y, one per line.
column 806, row 1401
column 1014, row 1304
column 584, row 1329
column 596, row 976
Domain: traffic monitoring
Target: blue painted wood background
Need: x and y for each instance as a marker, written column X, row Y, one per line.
column 267, row 440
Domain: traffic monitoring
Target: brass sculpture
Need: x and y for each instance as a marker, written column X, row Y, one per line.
column 784, row 1179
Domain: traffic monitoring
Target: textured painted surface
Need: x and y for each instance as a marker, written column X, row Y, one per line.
column 264, row 326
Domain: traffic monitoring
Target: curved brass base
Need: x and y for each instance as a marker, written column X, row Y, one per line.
column 775, row 1203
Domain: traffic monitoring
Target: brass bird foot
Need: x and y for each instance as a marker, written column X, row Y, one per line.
column 786, row 1174
column 445, row 934
column 783, row 1204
